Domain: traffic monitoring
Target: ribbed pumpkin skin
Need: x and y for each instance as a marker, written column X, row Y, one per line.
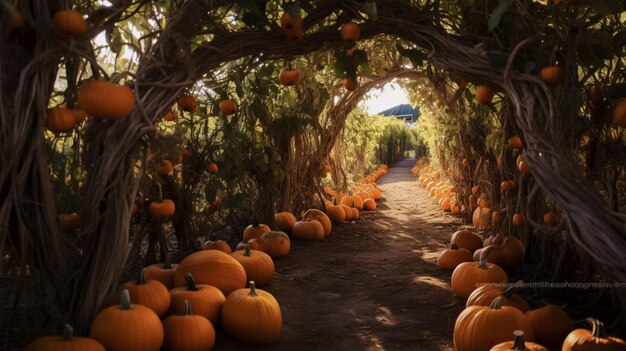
column 464, row 239
column 106, row 100
column 220, row 245
column 468, row 274
column 69, row 24
column 451, row 258
column 336, row 213
column 508, row 346
column 584, row 340
column 207, row 301
column 551, row 325
column 188, row 333
column 59, row 120
column 369, row 205
column 137, row 329
column 285, row 220
column 484, row 296
column 258, row 265
column 510, row 257
column 276, row 244
column 152, row 294
column 358, row 202
column 255, row 231
column 159, row 272
column 320, row 217
column 67, row 342
column 212, row 267
column 308, row 230
column 478, row 328
column 254, row 320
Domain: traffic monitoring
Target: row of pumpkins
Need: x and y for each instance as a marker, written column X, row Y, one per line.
column 208, row 288
column 495, row 318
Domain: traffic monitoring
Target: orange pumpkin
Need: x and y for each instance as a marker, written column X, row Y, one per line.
column 69, row 24
column 228, row 107
column 508, row 254
column 308, row 229
column 212, row 267
column 515, row 142
column 217, row 245
column 275, row 243
column 69, row 222
column 254, row 231
column 187, row 103
column 106, row 100
column 484, row 94
column 79, row 115
column 467, row 276
column 252, row 316
column 212, row 168
column 551, row 325
column 594, row 340
column 484, row 295
column 292, row 26
column 507, row 185
column 161, row 210
column 164, row 168
column 150, row 293
column 285, row 220
column 170, row 116
column 206, row 299
column 452, row 257
column 481, row 328
column 67, row 342
column 350, row 32
column 188, row 332
column 481, row 218
column 518, row 344
column 335, row 213
column 518, row 219
column 465, row 239
column 350, row 84
column 60, row 120
column 258, row 265
column 320, row 217
column 369, row 205
column 619, row 114
column 254, row 244
column 552, row 75
column 127, row 327
column 163, row 272
column 289, row 77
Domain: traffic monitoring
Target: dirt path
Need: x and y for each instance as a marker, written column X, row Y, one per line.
column 373, row 284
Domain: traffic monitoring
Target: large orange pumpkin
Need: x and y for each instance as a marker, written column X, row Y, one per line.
column 217, row 245
column 150, row 293
column 285, row 221
column 484, row 295
column 551, row 325
column 335, row 213
column 468, row 276
column 252, row 316
column 127, row 327
column 254, row 231
column 594, row 340
column 320, row 217
column 619, row 114
column 106, row 100
column 308, row 229
column 481, row 328
column 188, row 332
column 212, row 267
column 67, row 342
column 258, row 265
column 163, row 272
column 206, row 299
column 519, row 343
column 275, row 243
column 452, row 257
column 466, row 240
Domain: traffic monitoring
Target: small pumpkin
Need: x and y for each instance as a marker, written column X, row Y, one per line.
column 127, row 327
column 467, row 276
column 484, row 295
column 212, row 168
column 252, row 316
column 258, row 265
column 67, row 342
column 515, row 142
column 465, row 239
column 549, row 218
column 150, row 293
column 518, row 344
column 161, row 210
column 350, row 84
column 518, row 219
column 350, row 32
column 275, row 243
column 369, row 205
column 212, row 267
column 481, row 328
column 60, row 120
column 552, row 75
column 452, row 257
column 285, row 221
column 254, row 244
column 348, row 211
column 551, row 325
column 484, row 94
column 79, row 115
column 228, row 107
column 507, row 185
column 335, row 213
column 164, row 168
column 481, row 217
column 69, row 222
column 508, row 254
column 187, row 103
column 217, row 245
column 69, row 24
column 106, row 100
column 289, row 77
column 594, row 340
column 308, row 229
column 188, row 332
column 163, row 272
column 292, row 26
column 170, row 116
column 321, row 217
column 207, row 299
column 254, row 231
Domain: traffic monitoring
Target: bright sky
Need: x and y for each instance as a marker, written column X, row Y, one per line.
column 379, row 100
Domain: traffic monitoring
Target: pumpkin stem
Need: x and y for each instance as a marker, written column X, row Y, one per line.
column 160, row 187
column 246, row 250
column 597, row 330
column 141, row 279
column 191, row 284
column 252, row 289
column 187, row 310
column 68, row 333
column 168, row 261
column 519, row 343
column 496, row 304
column 125, row 300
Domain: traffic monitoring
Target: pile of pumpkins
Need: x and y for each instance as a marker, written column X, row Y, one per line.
column 438, row 188
column 495, row 317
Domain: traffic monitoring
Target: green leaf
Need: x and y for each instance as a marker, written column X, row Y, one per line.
column 496, row 16
column 608, row 7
